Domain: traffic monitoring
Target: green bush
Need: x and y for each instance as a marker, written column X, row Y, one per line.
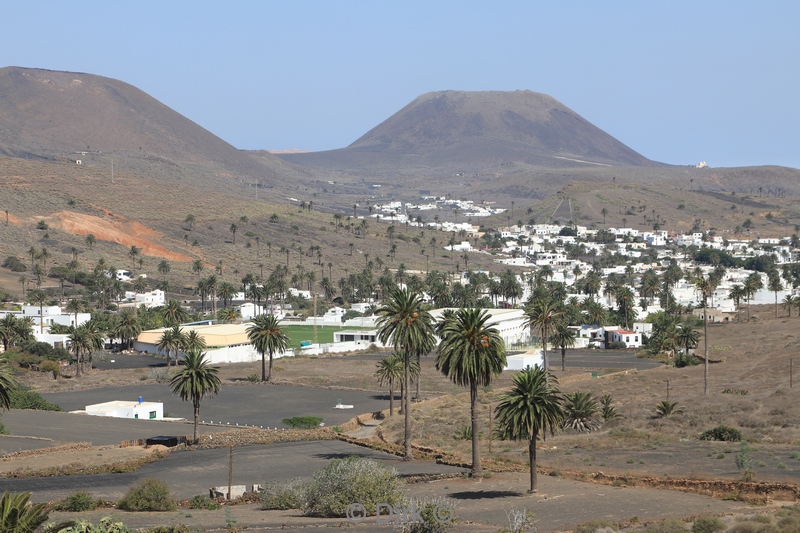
column 437, row 514
column 180, row 528
column 203, row 502
column 723, row 433
column 23, row 398
column 283, row 495
column 106, row 525
column 78, row 502
column 50, row 366
column 708, row 524
column 352, row 480
column 148, row 495
column 14, row 264
column 302, row 422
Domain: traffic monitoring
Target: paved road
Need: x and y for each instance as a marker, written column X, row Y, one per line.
column 259, row 405
column 191, row 472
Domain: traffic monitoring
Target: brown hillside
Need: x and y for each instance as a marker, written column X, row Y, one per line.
column 66, row 115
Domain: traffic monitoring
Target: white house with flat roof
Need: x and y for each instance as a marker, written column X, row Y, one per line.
column 122, row 409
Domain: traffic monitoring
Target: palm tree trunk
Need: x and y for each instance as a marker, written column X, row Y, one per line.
column 263, row 366
column 563, row 358
column 532, row 457
column 391, row 397
column 705, row 351
column 78, row 364
column 544, row 349
column 418, row 378
column 407, row 408
column 269, row 374
column 476, row 452
column 196, row 418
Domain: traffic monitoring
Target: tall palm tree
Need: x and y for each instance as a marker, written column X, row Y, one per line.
column 563, row 337
column 737, row 293
column 172, row 340
column 471, row 354
column 81, row 343
column 687, row 337
column 127, row 327
column 195, row 381
column 38, row 297
column 544, row 315
column 533, row 407
column 390, row 371
column 267, row 336
column 164, row 267
column 705, row 288
column 406, row 326
column 752, row 284
column 775, row 285
column 789, row 302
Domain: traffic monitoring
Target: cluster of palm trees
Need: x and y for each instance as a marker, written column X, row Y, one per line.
column 175, row 341
column 471, row 353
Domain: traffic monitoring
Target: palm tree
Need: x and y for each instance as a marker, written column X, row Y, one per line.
column 234, row 228
column 789, row 302
column 471, row 354
column 705, row 287
column 172, row 340
column 7, row 383
column 267, row 336
column 164, row 267
column 76, row 306
column 406, row 326
column 775, row 285
column 564, row 338
column 133, row 253
column 190, row 219
column 390, row 371
column 581, row 412
column 38, row 297
column 18, row 515
column 173, row 313
column 197, row 266
column 533, row 406
column 687, row 337
column 736, row 294
column 752, row 284
column 127, row 327
column 226, row 291
column 195, row 381
column 543, row 315
column 194, row 341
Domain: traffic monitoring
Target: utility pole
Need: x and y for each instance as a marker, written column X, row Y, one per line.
column 230, row 473
column 315, row 318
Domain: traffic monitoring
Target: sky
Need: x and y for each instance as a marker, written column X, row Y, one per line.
column 678, row 81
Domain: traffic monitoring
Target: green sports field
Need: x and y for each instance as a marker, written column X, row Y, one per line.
column 298, row 333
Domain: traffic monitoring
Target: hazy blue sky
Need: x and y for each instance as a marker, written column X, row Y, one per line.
column 677, row 81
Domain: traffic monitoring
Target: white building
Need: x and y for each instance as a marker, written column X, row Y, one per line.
column 122, row 409
column 154, row 298
column 226, row 343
